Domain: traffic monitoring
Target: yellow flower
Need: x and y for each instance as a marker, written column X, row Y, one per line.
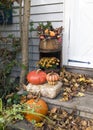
column 48, row 62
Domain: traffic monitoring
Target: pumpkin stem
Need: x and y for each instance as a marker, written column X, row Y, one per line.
column 38, row 70
column 52, row 72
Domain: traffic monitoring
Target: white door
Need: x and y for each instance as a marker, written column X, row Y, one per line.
column 80, row 47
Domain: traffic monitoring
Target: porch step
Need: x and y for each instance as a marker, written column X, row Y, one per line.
column 80, row 70
column 83, row 105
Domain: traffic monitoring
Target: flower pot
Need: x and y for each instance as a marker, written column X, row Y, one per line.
column 49, row 44
column 48, row 70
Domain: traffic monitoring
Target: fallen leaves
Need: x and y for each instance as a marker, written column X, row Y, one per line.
column 74, row 85
column 62, row 120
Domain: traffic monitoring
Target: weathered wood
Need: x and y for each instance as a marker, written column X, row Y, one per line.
column 80, row 70
column 24, row 40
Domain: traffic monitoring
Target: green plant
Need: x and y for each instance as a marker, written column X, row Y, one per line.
column 7, row 115
column 8, row 61
column 14, row 113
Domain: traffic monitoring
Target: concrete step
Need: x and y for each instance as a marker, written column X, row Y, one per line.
column 83, row 105
column 21, row 125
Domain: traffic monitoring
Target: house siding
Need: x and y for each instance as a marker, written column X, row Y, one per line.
column 41, row 11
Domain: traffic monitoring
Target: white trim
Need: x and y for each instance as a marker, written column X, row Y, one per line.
column 66, row 31
column 70, row 26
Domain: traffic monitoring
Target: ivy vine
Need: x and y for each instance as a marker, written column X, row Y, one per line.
column 7, row 61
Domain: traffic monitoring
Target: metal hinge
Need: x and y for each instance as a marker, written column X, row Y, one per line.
column 70, row 60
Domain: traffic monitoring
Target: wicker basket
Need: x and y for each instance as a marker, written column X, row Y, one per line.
column 49, row 44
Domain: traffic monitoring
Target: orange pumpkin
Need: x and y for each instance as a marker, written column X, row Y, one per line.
column 39, row 106
column 52, row 33
column 46, row 31
column 36, row 77
column 52, row 78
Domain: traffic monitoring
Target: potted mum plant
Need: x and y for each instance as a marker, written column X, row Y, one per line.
column 49, row 64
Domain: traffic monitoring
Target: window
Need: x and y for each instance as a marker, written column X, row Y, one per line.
column 5, row 15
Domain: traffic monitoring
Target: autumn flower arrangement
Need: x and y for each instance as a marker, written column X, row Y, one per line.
column 48, row 63
column 47, row 31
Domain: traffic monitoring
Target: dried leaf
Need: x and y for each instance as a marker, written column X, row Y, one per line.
column 39, row 124
column 89, row 128
column 54, row 110
column 80, row 94
column 82, row 79
column 83, row 123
